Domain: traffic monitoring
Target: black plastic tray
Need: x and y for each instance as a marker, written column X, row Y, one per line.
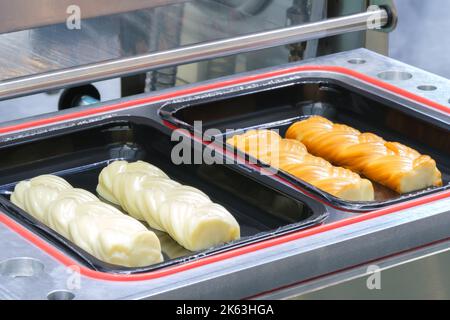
column 280, row 105
column 79, row 154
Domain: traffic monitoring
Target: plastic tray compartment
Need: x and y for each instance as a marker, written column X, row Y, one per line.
column 80, row 154
column 277, row 107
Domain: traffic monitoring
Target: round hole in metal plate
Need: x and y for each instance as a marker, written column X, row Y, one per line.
column 21, row 267
column 357, row 61
column 61, row 295
column 427, row 88
column 395, row 75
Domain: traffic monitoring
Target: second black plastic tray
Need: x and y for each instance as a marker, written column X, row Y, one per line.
column 277, row 107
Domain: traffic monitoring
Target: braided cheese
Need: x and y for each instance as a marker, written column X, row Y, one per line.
column 291, row 156
column 391, row 164
column 185, row 213
column 96, row 227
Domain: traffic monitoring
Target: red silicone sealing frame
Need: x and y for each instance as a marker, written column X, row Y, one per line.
column 64, row 259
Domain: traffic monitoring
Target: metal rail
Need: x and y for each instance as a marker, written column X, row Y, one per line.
column 189, row 54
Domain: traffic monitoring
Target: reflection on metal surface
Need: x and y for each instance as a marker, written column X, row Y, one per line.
column 417, row 274
column 423, row 278
column 25, row 14
column 52, row 48
column 188, row 54
column 113, row 37
column 166, row 78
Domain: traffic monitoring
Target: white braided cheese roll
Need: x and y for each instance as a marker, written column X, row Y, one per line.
column 113, row 237
column 106, row 178
column 185, row 213
column 98, row 228
column 36, row 195
column 61, row 211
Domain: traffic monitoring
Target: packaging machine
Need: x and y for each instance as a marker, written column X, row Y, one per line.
column 133, row 74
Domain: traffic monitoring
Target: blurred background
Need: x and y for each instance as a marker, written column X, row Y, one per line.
column 422, row 37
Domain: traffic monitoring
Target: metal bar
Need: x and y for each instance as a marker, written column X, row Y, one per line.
column 189, row 54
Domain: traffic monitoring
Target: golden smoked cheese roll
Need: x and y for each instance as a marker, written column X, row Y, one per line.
column 391, row 164
column 185, row 213
column 96, row 227
column 291, row 156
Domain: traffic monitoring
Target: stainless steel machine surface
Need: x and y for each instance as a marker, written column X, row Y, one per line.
column 420, row 274
column 287, row 267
